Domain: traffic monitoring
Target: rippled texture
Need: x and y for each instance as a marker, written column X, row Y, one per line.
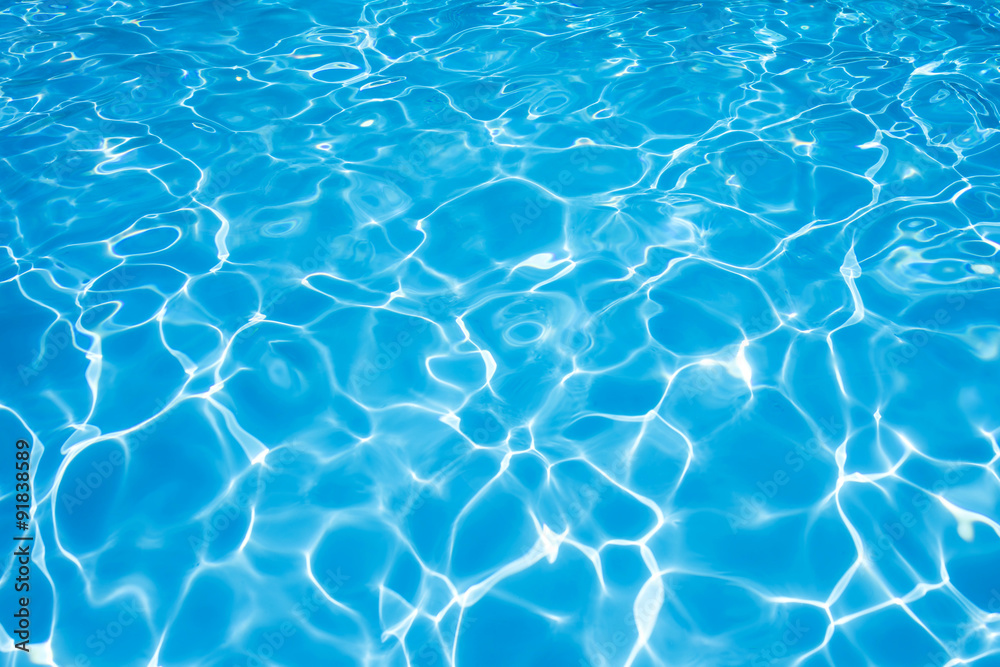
column 514, row 334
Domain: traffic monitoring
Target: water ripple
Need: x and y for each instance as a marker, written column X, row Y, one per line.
column 505, row 333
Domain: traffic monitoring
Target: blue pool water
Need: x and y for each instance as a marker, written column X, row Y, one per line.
column 502, row 333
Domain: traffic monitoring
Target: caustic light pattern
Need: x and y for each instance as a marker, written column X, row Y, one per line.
column 502, row 333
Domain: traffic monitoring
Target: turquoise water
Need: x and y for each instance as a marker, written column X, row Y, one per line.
column 503, row 333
